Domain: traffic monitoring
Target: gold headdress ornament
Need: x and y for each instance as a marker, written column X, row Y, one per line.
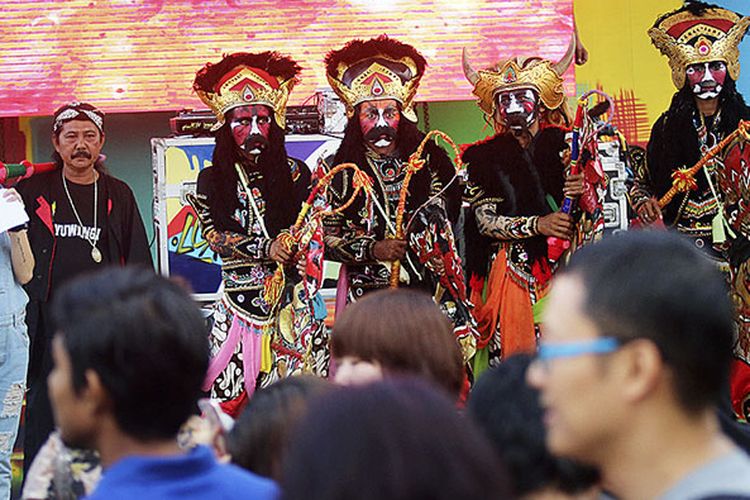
column 695, row 34
column 379, row 68
column 242, row 79
column 520, row 73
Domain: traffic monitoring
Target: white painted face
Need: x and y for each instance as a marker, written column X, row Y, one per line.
column 706, row 79
column 517, row 108
column 379, row 121
column 251, row 127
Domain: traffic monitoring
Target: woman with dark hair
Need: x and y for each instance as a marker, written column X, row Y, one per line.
column 396, row 439
column 396, row 332
column 507, row 410
column 261, row 434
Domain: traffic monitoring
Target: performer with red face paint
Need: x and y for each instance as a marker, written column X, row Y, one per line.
column 377, row 80
column 701, row 42
column 245, row 200
column 516, row 182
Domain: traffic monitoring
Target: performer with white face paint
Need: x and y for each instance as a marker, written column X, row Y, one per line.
column 516, row 181
column 701, row 42
column 377, row 80
column 245, row 201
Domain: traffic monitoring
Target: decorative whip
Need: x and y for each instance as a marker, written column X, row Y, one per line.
column 274, row 285
column 413, row 166
column 557, row 246
column 683, row 180
column 13, row 172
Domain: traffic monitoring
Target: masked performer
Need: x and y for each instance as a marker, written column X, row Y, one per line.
column 246, row 201
column 377, row 80
column 516, row 182
column 701, row 43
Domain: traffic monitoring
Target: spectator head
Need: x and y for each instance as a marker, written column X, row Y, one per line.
column 80, row 111
column 78, row 136
column 130, row 353
column 396, row 439
column 637, row 326
column 260, row 435
column 508, row 411
column 396, row 332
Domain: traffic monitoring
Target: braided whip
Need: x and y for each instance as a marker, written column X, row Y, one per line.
column 415, row 164
column 274, row 285
column 684, row 179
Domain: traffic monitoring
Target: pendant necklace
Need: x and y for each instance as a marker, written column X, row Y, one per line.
column 96, row 255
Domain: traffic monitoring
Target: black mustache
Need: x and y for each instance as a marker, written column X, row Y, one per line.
column 254, row 141
column 516, row 120
column 81, row 154
column 375, row 133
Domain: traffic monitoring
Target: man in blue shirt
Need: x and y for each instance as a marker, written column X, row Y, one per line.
column 129, row 357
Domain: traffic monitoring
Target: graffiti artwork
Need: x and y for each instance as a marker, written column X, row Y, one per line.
column 182, row 250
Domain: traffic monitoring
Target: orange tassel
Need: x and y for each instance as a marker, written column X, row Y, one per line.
column 273, row 287
column 684, row 181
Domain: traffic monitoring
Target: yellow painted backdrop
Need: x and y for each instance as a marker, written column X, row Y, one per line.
column 622, row 61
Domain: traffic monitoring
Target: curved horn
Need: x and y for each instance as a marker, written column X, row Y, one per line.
column 469, row 72
column 563, row 64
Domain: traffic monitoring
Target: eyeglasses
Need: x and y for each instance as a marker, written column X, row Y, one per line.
column 602, row 345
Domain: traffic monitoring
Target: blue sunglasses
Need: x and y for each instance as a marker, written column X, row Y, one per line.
column 602, row 345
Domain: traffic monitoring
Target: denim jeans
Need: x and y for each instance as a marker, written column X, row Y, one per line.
column 14, row 360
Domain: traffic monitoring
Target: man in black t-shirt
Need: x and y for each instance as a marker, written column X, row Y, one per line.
column 81, row 219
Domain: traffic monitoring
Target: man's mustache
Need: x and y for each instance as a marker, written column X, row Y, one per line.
column 81, row 153
column 376, row 133
column 255, row 141
column 517, row 121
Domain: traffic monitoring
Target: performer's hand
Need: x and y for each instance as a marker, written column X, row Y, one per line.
column 389, row 250
column 279, row 253
column 573, row 185
column 649, row 211
column 556, row 224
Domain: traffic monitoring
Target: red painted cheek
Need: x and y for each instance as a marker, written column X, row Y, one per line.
column 366, row 124
column 694, row 77
column 240, row 133
column 719, row 75
column 265, row 129
column 393, row 122
column 528, row 106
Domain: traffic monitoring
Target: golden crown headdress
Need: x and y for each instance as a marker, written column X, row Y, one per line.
column 520, row 73
column 698, row 33
column 379, row 68
column 242, row 79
